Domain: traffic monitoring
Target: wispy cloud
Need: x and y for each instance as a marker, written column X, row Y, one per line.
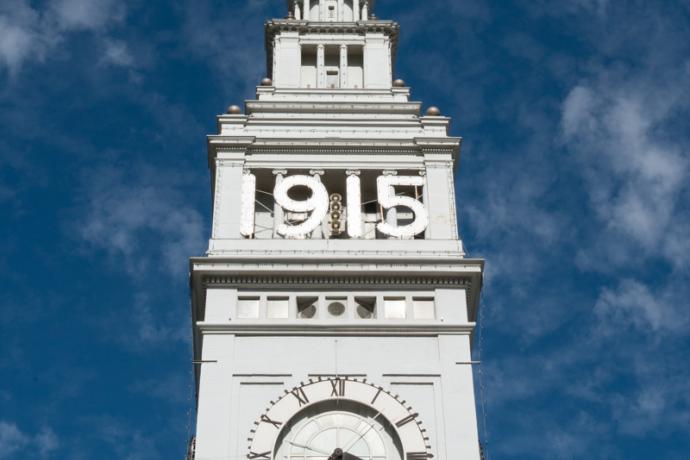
column 27, row 33
column 141, row 222
column 117, row 52
column 12, row 440
column 86, row 14
column 14, row 443
column 636, row 174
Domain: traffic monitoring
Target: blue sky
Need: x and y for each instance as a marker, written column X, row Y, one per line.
column 573, row 185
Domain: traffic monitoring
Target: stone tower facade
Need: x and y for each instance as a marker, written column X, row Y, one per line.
column 334, row 310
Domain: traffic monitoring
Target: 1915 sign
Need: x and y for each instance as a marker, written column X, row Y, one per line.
column 316, row 207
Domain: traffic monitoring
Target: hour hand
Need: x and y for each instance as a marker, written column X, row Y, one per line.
column 338, row 454
column 347, row 456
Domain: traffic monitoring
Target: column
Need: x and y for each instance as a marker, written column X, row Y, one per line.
column 307, row 11
column 391, row 216
column 355, row 10
column 341, row 10
column 298, row 12
column 278, row 215
column 441, row 197
column 425, row 198
column 318, row 233
column 227, row 209
column 365, row 11
column 321, row 66
column 343, row 66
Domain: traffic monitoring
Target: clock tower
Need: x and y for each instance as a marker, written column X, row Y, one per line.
column 333, row 313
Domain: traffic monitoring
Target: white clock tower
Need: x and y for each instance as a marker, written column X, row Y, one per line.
column 334, row 310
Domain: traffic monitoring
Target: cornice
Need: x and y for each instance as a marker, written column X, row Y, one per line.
column 351, row 147
column 254, row 106
column 336, row 281
column 330, row 329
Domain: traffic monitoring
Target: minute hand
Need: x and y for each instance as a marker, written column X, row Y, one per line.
column 371, row 425
column 309, row 448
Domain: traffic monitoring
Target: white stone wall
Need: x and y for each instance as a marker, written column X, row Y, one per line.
column 242, row 373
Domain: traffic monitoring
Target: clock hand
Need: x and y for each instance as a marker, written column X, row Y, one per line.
column 363, row 434
column 309, row 448
column 338, row 454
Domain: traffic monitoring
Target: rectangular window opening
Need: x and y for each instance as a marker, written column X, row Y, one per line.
column 395, row 307
column 248, row 307
column 424, row 308
column 307, row 307
column 366, row 307
column 277, row 307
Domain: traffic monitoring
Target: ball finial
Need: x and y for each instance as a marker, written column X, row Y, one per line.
column 399, row 83
column 433, row 111
column 234, row 110
column 266, row 82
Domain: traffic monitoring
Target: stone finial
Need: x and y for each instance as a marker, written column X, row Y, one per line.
column 234, row 110
column 433, row 111
column 399, row 83
column 266, row 82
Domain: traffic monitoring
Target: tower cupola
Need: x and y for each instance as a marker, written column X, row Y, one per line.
column 331, row 10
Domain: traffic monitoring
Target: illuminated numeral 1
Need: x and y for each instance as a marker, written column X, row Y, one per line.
column 354, row 205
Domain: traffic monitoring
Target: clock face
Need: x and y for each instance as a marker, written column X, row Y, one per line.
column 355, row 429
column 313, row 420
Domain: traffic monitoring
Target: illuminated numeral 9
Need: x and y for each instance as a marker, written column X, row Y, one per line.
column 316, row 205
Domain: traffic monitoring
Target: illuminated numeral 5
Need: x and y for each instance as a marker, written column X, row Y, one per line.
column 388, row 199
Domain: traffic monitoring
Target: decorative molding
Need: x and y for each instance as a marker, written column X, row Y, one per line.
column 368, row 280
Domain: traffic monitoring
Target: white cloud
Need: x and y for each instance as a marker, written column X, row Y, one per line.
column 117, row 53
column 86, row 14
column 630, row 303
column 12, row 440
column 21, row 35
column 27, row 34
column 636, row 178
column 46, row 442
column 147, row 225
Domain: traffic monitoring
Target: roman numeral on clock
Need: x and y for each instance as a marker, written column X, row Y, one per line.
column 265, row 419
column 418, row 456
column 301, row 396
column 254, row 455
column 376, row 396
column 338, row 387
column 406, row 420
